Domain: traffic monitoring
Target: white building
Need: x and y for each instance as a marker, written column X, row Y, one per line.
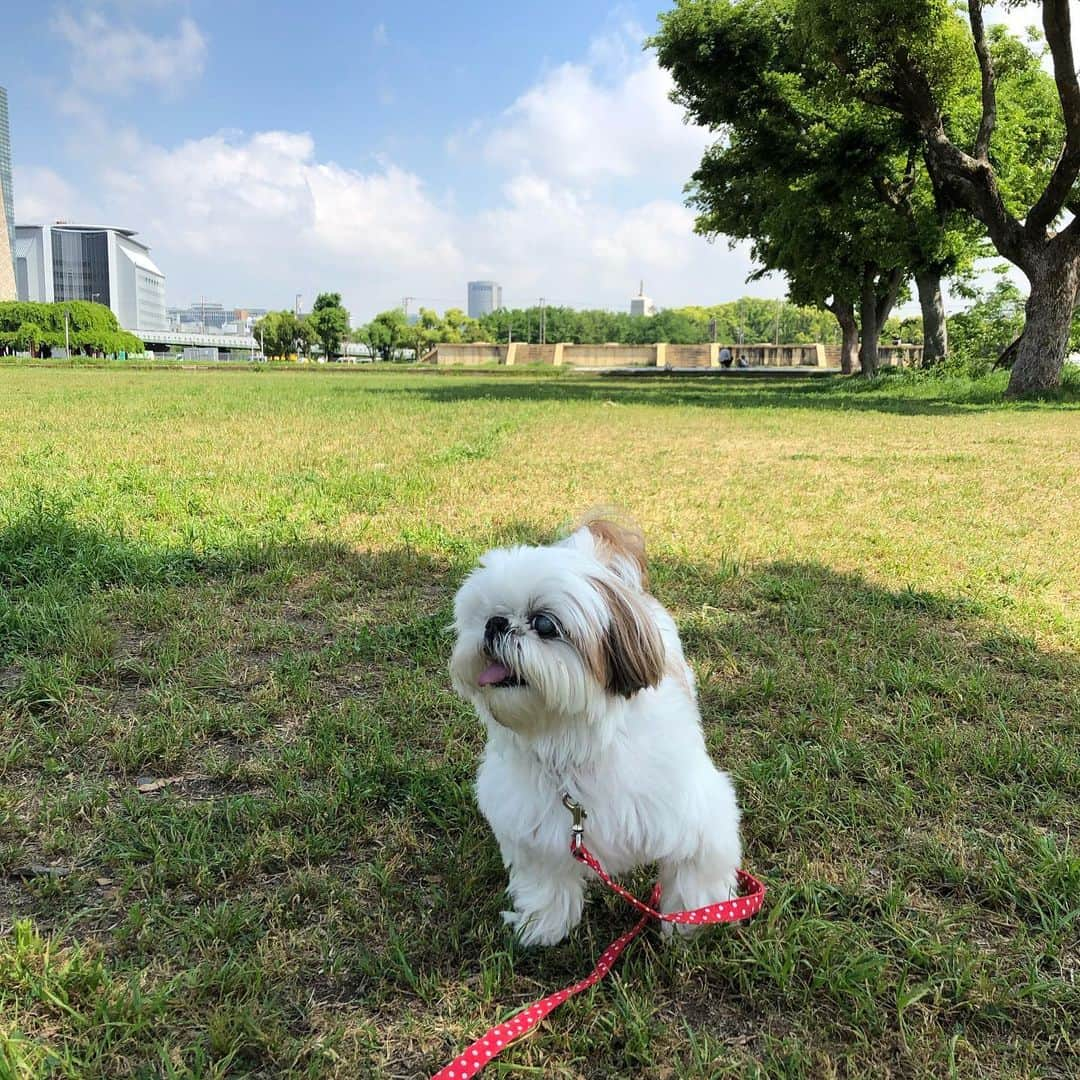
column 642, row 304
column 90, row 262
column 484, row 298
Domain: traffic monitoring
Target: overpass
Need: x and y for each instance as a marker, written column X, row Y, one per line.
column 156, row 340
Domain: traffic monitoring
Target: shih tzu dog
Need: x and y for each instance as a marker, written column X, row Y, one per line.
column 579, row 676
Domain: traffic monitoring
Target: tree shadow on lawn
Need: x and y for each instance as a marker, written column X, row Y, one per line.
column 817, row 393
column 908, row 772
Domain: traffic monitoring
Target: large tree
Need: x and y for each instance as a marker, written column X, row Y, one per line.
column 330, row 322
column 827, row 190
column 909, row 59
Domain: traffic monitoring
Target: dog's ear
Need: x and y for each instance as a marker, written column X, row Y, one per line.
column 631, row 653
column 619, row 545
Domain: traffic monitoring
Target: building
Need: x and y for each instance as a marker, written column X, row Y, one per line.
column 484, row 298
column 8, row 290
column 209, row 317
column 641, row 304
column 91, row 262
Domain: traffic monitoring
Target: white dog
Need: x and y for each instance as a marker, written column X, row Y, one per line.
column 579, row 675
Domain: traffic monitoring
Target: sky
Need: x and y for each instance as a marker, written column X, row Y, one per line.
column 380, row 150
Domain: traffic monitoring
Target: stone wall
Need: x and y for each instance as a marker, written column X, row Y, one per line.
column 609, row 355
column 662, row 355
column 688, row 356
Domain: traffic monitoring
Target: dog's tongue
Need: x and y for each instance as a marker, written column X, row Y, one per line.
column 494, row 673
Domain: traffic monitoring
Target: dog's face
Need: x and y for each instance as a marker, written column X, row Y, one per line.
column 550, row 635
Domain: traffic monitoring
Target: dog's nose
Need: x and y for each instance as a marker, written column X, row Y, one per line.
column 495, row 627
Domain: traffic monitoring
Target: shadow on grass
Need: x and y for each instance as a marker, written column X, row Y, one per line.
column 904, row 396
column 908, row 771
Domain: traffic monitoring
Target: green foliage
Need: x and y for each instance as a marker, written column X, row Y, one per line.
column 39, row 328
column 281, row 333
column 330, row 322
column 826, row 188
column 386, row 334
column 748, row 319
column 981, row 333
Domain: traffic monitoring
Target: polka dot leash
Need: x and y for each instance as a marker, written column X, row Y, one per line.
column 476, row 1056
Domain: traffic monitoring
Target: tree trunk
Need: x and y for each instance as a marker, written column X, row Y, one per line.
column 844, row 311
column 869, row 326
column 935, row 328
column 1040, row 355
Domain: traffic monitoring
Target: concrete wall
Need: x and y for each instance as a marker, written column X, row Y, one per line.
column 466, row 355
column 533, row 354
column 689, row 356
column 609, row 355
column 662, row 355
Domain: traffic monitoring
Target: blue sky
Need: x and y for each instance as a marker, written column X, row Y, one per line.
column 378, row 149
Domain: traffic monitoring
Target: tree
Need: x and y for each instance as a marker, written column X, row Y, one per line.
column 329, row 322
column 39, row 328
column 282, row 333
column 827, row 190
column 908, row 59
column 425, row 332
column 386, row 333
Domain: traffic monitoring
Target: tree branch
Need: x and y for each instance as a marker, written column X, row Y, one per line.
column 1057, row 25
column 986, row 69
column 958, row 177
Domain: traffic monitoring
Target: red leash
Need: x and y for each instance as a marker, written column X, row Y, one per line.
column 473, row 1058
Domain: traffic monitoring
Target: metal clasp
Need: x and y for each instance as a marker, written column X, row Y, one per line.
column 578, row 828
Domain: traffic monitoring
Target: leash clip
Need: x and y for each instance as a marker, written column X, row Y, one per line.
column 577, row 829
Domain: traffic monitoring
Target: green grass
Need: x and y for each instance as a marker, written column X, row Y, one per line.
column 239, row 584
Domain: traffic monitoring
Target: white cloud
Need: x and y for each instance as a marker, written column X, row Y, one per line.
column 43, row 196
column 548, row 239
column 258, row 217
column 108, row 58
column 597, row 156
column 607, row 117
column 589, row 166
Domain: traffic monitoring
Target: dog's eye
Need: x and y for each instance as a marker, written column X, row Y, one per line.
column 545, row 626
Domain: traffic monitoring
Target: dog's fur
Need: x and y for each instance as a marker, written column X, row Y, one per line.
column 608, row 712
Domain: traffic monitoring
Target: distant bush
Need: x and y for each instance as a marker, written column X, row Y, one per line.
column 39, row 329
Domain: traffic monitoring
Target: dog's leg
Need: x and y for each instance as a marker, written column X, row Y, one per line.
column 547, row 897
column 707, row 877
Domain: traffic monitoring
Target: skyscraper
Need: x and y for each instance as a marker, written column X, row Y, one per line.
column 484, row 298
column 7, row 205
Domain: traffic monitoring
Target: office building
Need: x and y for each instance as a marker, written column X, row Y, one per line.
column 642, row 304
column 210, row 317
column 91, row 262
column 8, row 290
column 484, row 298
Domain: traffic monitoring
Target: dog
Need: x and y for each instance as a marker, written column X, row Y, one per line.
column 579, row 676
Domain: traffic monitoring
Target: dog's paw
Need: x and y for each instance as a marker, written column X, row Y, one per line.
column 533, row 929
column 673, row 933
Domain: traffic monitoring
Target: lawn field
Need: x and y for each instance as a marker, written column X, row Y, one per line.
column 237, row 832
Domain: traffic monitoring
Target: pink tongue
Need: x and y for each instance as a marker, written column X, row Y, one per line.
column 493, row 674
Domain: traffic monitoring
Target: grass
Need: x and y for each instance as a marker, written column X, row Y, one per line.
column 237, row 836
